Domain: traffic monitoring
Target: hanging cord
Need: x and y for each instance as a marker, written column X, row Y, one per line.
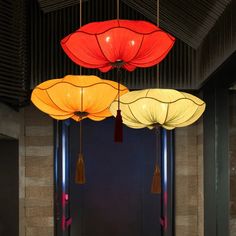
column 80, row 13
column 118, row 81
column 158, row 24
column 80, row 24
column 118, row 9
column 158, row 13
column 156, row 180
column 80, row 165
column 80, row 72
column 80, row 130
column 118, row 135
column 158, row 134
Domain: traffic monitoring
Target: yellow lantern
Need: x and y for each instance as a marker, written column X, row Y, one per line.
column 159, row 107
column 77, row 97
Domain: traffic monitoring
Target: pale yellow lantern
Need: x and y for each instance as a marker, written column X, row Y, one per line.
column 159, row 107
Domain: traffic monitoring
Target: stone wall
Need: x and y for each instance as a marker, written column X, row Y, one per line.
column 189, row 180
column 34, row 130
column 38, row 173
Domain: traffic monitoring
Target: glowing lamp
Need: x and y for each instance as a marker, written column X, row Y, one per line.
column 76, row 97
column 153, row 108
column 118, row 43
column 159, row 107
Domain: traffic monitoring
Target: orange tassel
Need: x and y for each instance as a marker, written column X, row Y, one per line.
column 80, row 170
column 156, row 181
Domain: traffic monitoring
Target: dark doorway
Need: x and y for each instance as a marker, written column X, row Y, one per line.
column 116, row 199
column 9, row 184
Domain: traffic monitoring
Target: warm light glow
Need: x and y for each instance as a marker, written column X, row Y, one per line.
column 101, row 44
column 108, row 39
column 165, row 107
column 76, row 97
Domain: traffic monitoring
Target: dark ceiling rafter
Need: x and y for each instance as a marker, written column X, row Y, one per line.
column 14, row 81
column 190, row 21
column 53, row 5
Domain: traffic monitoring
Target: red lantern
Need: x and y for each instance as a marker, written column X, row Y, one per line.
column 118, row 43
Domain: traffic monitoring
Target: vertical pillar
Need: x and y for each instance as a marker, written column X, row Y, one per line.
column 216, row 162
column 167, row 195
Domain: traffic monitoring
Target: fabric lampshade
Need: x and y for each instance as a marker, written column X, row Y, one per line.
column 159, row 107
column 118, row 43
column 76, row 97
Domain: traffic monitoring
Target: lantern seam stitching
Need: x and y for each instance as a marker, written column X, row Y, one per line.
column 134, row 115
column 185, row 120
column 122, row 27
column 137, row 51
column 141, row 64
column 127, row 103
column 79, row 86
column 52, row 102
column 167, row 113
column 107, row 108
column 147, row 92
column 61, row 115
column 68, row 51
column 101, row 48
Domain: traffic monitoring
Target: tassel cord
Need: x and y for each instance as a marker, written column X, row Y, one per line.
column 81, row 126
column 157, row 129
column 156, row 180
column 118, row 81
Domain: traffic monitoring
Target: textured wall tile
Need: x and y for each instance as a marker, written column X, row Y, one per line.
column 186, row 220
column 186, row 231
column 21, row 182
column 39, row 151
column 40, row 131
column 36, row 181
column 39, row 221
column 42, row 161
column 36, row 211
column 186, row 166
column 38, row 202
column 39, row 171
column 21, row 217
column 39, row 231
column 32, row 192
column 186, row 190
column 39, row 141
